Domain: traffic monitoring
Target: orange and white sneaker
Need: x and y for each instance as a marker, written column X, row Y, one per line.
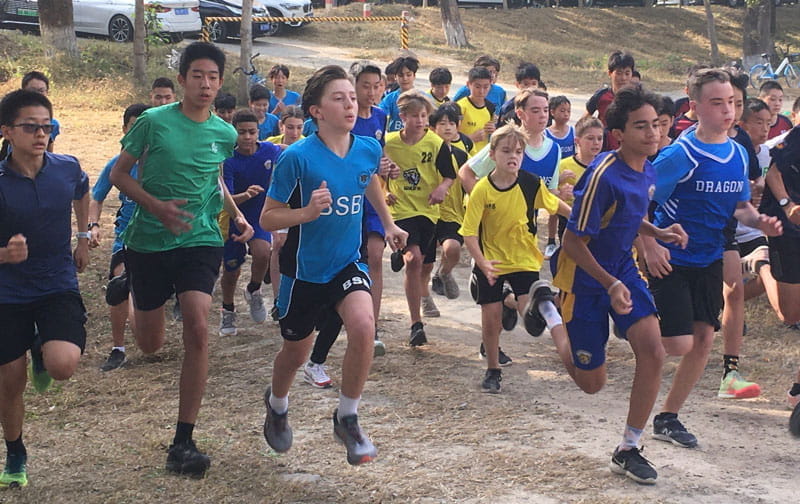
column 733, row 386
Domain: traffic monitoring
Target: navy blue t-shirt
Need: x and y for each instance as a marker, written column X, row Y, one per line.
column 240, row 172
column 41, row 210
column 786, row 159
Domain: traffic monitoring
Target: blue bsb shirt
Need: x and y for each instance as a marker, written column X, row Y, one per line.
column 41, row 210
column 318, row 250
column 698, row 186
column 389, row 105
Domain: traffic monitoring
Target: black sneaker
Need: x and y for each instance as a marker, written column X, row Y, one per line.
column 437, row 286
column 539, row 292
column 417, row 335
column 794, row 421
column 274, row 314
column 491, row 381
column 509, row 319
column 632, row 464
column 185, row 458
column 396, row 260
column 667, row 427
column 115, row 360
column 359, row 447
column 277, row 431
column 503, row 359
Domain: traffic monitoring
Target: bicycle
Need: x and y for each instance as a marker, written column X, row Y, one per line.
column 252, row 74
column 788, row 70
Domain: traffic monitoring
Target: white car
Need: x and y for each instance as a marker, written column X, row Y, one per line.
column 112, row 18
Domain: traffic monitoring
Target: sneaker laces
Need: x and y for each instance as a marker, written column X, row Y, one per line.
column 636, row 455
column 353, row 429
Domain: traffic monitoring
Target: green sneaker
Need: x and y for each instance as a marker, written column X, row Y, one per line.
column 37, row 374
column 733, row 386
column 15, row 475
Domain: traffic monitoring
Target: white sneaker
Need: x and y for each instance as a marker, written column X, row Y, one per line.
column 227, row 326
column 258, row 312
column 429, row 308
column 316, row 375
column 549, row 250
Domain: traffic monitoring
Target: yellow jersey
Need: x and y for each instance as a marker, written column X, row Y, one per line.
column 504, row 221
column 452, row 208
column 577, row 168
column 474, row 118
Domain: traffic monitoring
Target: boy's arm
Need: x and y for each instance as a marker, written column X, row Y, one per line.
column 395, row 237
column 276, row 215
column 444, row 165
column 775, row 183
column 486, row 266
column 95, row 209
column 81, row 253
column 469, row 230
column 671, row 234
column 244, row 227
column 467, row 177
column 168, row 212
column 749, row 216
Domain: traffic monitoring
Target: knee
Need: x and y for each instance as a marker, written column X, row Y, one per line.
column 592, row 386
column 592, row 381
column 677, row 347
column 61, row 366
column 413, row 260
column 195, row 342
column 292, row 358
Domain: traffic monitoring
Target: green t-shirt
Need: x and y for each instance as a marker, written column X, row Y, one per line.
column 178, row 159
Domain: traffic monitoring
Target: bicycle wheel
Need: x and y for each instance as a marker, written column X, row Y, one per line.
column 792, row 75
column 757, row 73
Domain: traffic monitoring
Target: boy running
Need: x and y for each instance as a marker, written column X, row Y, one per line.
column 405, row 68
column 40, row 305
column 318, row 192
column 772, row 93
column 173, row 241
column 478, row 114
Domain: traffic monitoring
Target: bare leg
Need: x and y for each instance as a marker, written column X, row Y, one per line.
column 451, row 254
column 291, row 356
column 278, row 239
column 12, row 408
column 228, row 281
column 260, row 250
column 375, row 247
column 490, row 333
column 645, row 339
column 360, row 326
column 194, row 371
column 690, row 368
column 733, row 311
column 411, row 281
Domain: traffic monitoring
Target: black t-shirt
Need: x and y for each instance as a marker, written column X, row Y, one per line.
column 786, row 159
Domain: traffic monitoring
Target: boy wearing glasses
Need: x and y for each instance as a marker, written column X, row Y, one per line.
column 40, row 305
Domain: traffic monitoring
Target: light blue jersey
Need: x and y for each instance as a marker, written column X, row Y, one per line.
column 389, row 105
column 99, row 192
column 698, row 186
column 318, row 250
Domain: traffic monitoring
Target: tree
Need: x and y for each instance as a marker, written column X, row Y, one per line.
column 712, row 35
column 757, row 35
column 58, row 29
column 139, row 56
column 453, row 28
column 246, row 48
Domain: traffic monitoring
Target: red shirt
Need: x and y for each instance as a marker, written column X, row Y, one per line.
column 599, row 102
column 781, row 126
column 681, row 124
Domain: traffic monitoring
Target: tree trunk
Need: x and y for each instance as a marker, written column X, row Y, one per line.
column 453, row 28
column 757, row 37
column 712, row 35
column 245, row 50
column 58, row 29
column 139, row 56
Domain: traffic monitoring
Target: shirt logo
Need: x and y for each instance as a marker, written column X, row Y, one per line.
column 584, row 357
column 214, row 147
column 651, row 191
column 363, row 179
column 712, row 186
column 268, row 164
column 412, row 177
column 378, row 134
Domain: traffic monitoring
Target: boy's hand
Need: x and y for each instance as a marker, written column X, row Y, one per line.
column 97, row 236
column 565, row 175
column 16, row 251
column 489, row 128
column 437, row 196
column 391, row 199
column 384, row 167
column 321, row 200
column 395, row 237
column 81, row 254
column 172, row 217
column 253, row 191
column 771, row 226
column 489, row 270
column 279, row 108
column 394, row 170
column 657, row 259
column 244, row 227
column 793, row 212
column 673, row 234
column 478, row 136
column 620, row 299
column 565, row 192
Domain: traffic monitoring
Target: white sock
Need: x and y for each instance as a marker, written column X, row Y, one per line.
column 120, row 348
column 550, row 313
column 279, row 405
column 630, row 438
column 347, row 406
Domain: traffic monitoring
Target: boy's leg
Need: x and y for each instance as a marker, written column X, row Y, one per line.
column 788, row 294
column 355, row 311
column 329, row 327
column 12, row 385
column 451, row 255
column 260, row 251
column 490, row 333
column 118, row 313
column 411, row 281
column 194, row 370
column 228, row 281
column 278, row 239
column 60, row 319
column 375, row 248
column 690, row 368
column 645, row 339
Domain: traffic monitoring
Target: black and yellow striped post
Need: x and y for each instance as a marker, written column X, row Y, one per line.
column 404, row 18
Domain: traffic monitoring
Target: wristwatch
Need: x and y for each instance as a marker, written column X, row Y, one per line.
column 92, row 225
column 783, row 202
column 83, row 234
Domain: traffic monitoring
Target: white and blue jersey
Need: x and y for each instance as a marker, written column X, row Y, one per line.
column 543, row 162
column 698, row 186
column 389, row 105
column 317, row 251
column 566, row 143
column 99, row 192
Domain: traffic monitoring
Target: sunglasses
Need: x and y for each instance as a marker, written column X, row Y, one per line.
column 33, row 128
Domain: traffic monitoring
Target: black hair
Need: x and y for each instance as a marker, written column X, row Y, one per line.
column 557, row 101
column 34, row 75
column 541, row 85
column 201, row 50
column 487, row 61
column 768, row 86
column 527, row 71
column 626, row 100
column 619, row 59
column 476, row 73
column 164, row 82
column 315, row 86
column 16, row 100
column 796, row 105
column 244, row 115
column 134, row 110
column 361, row 67
column 224, row 101
column 667, row 106
column 440, row 76
column 259, row 92
column 409, row 62
column 391, row 68
column 739, row 80
column 753, row 106
column 278, row 68
column 449, row 110
column 636, row 74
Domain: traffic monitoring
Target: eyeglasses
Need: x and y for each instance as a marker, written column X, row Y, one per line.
column 33, row 128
